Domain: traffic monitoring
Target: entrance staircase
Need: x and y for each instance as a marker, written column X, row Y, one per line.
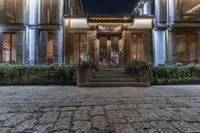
column 113, row 76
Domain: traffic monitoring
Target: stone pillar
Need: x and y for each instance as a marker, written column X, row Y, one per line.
column 170, row 48
column 21, row 47
column 33, row 12
column 32, row 31
column 147, row 8
column 60, row 53
column 159, row 47
column 32, row 40
column 171, row 12
column 157, row 10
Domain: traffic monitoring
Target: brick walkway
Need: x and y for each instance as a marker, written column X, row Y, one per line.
column 164, row 109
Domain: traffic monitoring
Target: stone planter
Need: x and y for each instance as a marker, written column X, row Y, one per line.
column 84, row 74
column 144, row 75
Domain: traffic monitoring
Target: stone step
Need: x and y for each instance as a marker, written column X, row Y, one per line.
column 111, row 69
column 113, row 76
column 111, row 73
column 113, row 80
column 110, row 66
column 115, row 84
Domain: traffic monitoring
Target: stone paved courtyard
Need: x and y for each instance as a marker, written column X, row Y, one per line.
column 69, row 109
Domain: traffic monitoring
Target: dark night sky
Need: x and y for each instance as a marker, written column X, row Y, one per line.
column 109, row 6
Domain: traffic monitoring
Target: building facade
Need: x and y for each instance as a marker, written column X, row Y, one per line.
column 60, row 32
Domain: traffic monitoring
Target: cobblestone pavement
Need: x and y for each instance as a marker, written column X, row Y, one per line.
column 69, row 109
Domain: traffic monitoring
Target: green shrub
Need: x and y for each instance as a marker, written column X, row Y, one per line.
column 134, row 67
column 165, row 74
column 38, row 74
column 88, row 65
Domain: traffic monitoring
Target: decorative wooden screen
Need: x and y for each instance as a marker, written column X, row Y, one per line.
column 115, row 50
column 6, row 42
column 76, row 49
column 56, row 43
column 187, row 48
column 20, row 48
column 71, row 49
column 14, row 49
column 42, row 48
column 192, row 48
column 91, row 47
column 103, row 51
column 79, row 47
column 83, row 47
column 181, row 48
column 136, row 43
column 50, row 48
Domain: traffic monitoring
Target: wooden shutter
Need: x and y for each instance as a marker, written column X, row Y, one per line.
column 20, row 49
column 97, row 50
column 42, row 48
column 192, row 48
column 56, row 48
column 76, row 48
column 181, row 48
column 71, row 47
column 83, row 47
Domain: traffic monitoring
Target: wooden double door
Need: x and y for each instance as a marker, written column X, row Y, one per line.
column 110, row 51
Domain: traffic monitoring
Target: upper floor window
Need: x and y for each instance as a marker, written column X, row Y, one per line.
column 187, row 10
column 51, row 11
column 73, row 8
column 12, row 11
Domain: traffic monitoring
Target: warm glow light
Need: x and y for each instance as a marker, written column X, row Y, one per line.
column 109, row 43
column 66, row 22
column 78, row 23
column 142, row 23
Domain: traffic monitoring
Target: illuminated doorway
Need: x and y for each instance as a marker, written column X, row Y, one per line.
column 109, row 51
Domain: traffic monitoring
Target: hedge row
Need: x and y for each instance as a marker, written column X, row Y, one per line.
column 168, row 74
column 37, row 74
column 66, row 74
column 165, row 74
column 134, row 67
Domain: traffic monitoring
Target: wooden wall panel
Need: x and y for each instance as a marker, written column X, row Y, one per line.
column 96, row 51
column 76, row 49
column 91, row 48
column 192, row 48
